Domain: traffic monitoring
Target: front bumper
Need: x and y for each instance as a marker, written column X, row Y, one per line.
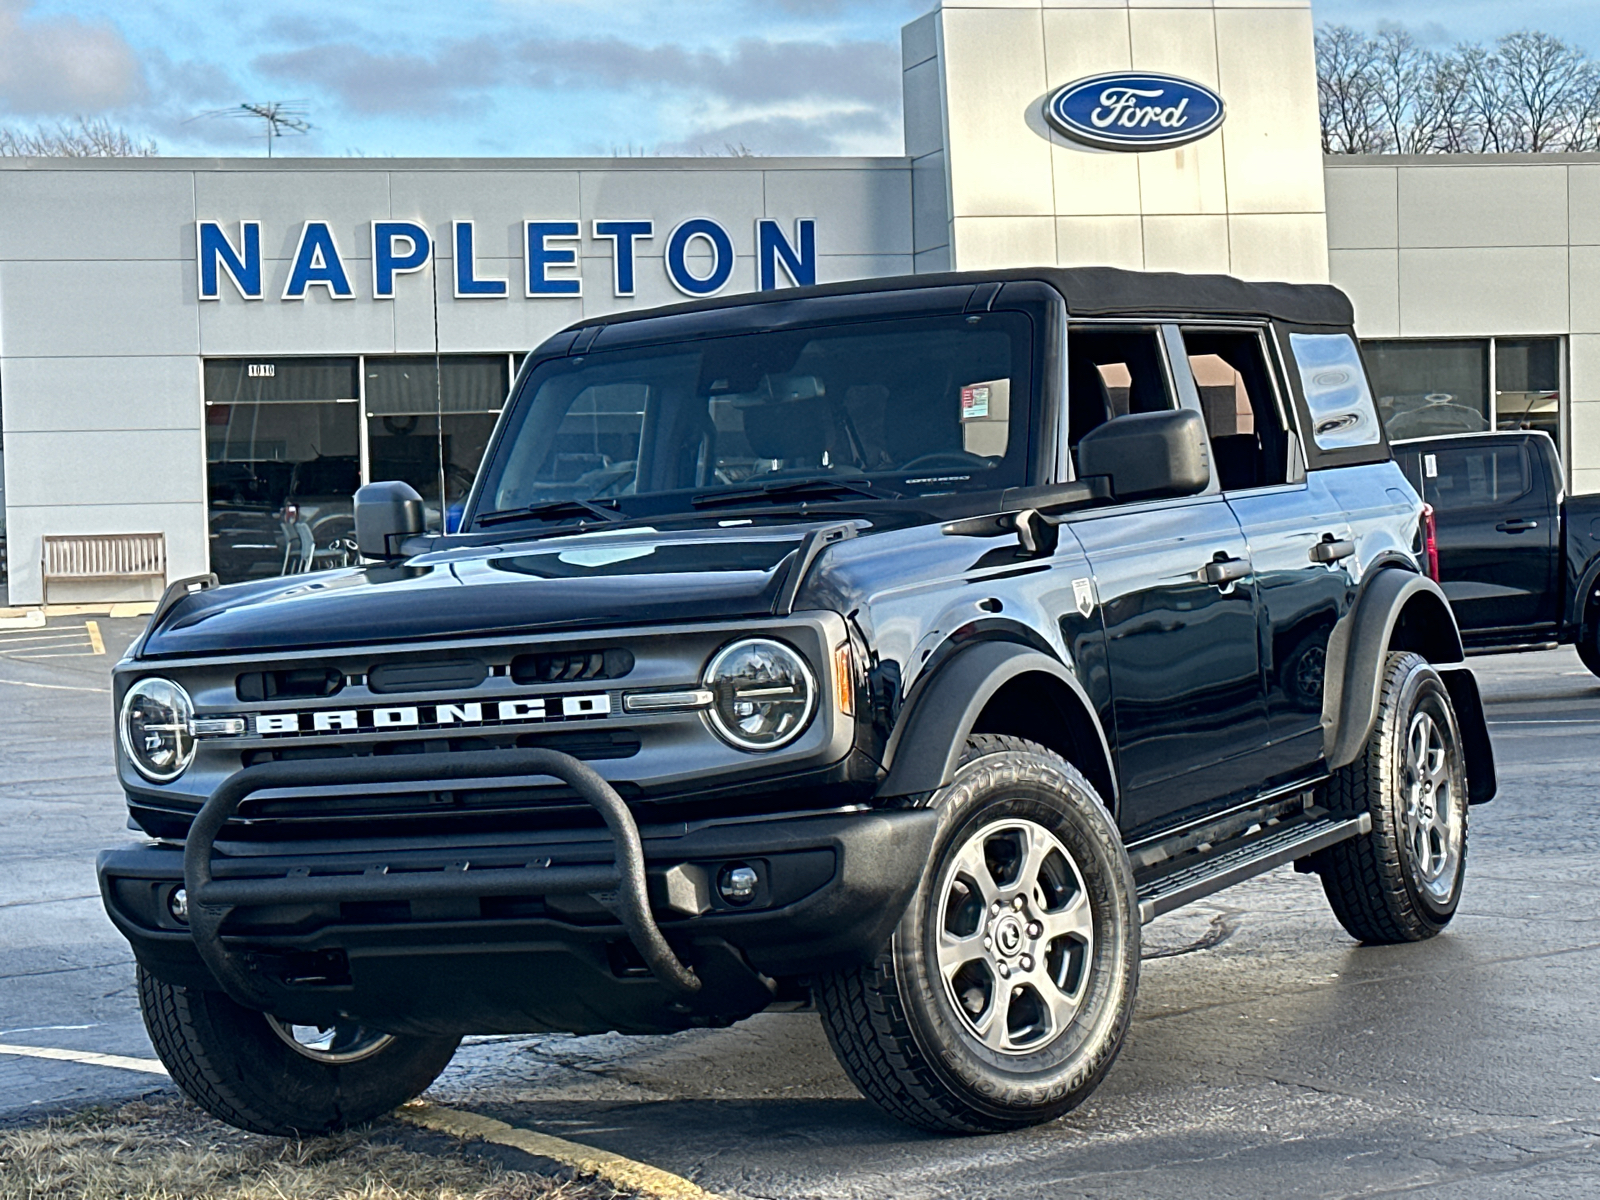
column 411, row 943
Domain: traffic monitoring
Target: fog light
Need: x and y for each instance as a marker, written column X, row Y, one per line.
column 178, row 905
column 737, row 883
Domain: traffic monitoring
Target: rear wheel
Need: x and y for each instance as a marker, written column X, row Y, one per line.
column 269, row 1076
column 1402, row 881
column 1589, row 645
column 1006, row 990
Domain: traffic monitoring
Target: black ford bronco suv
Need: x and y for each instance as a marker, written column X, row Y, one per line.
column 894, row 649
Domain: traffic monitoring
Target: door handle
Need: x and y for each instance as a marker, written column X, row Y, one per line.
column 1517, row 525
column 1222, row 570
column 1331, row 551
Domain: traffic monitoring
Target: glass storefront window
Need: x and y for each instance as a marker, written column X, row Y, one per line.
column 1431, row 387
column 1527, row 384
column 1427, row 388
column 429, row 421
column 283, row 461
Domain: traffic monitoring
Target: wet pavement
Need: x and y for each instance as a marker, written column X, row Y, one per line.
column 1270, row 1055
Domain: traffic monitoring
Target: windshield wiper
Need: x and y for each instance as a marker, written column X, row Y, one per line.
column 551, row 510
column 790, row 489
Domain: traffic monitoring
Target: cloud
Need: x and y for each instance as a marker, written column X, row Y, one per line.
column 58, row 65
column 865, row 129
column 754, row 70
column 450, row 81
column 789, row 96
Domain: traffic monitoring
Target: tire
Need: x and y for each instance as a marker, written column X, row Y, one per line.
column 242, row 1067
column 1030, row 1023
column 1402, row 881
column 1589, row 644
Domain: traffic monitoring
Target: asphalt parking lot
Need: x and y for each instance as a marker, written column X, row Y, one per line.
column 1270, row 1055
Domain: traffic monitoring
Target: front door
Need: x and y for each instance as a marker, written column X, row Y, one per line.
column 1181, row 653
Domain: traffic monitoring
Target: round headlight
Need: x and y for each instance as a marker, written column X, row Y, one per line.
column 764, row 691
column 157, row 729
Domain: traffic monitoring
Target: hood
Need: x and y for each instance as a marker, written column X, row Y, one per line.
column 591, row 580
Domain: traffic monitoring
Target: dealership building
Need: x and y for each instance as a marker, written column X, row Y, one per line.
column 201, row 359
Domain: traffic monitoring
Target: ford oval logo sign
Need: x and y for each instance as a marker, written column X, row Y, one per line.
column 1135, row 110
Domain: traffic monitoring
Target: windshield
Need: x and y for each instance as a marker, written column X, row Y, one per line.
column 883, row 408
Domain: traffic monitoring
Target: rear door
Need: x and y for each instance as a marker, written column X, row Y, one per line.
column 1181, row 653
column 1498, row 541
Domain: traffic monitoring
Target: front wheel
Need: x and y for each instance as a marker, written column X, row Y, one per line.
column 268, row 1076
column 1402, row 881
column 1006, row 990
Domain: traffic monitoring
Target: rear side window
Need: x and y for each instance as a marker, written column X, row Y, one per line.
column 1476, row 476
column 1249, row 445
column 1335, row 386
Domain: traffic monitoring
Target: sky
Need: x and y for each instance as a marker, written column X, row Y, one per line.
column 537, row 78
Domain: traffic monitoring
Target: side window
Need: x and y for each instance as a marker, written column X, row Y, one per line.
column 1111, row 373
column 1249, row 443
column 1336, row 391
column 1477, row 476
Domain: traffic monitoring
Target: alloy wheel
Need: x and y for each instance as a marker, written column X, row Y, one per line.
column 1433, row 822
column 336, row 1044
column 1014, row 936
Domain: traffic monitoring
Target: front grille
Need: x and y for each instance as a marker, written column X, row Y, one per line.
column 589, row 745
column 255, row 686
column 438, row 675
column 604, row 662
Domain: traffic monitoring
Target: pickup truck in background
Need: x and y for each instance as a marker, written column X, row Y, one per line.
column 1518, row 557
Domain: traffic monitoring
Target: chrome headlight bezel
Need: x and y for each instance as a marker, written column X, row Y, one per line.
column 181, row 708
column 726, row 726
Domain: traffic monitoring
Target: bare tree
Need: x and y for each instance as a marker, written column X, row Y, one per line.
column 1545, row 80
column 1347, row 91
column 1385, row 94
column 81, row 138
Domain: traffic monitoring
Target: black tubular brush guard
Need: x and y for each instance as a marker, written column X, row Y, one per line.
column 210, row 900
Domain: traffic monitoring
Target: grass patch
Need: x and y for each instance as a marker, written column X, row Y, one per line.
column 168, row 1150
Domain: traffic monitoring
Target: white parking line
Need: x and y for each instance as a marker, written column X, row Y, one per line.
column 1548, row 721
column 88, row 1058
column 53, row 687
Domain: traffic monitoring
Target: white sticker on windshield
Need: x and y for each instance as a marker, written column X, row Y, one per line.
column 1430, row 465
column 986, row 417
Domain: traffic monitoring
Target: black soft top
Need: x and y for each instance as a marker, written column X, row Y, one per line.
column 1089, row 292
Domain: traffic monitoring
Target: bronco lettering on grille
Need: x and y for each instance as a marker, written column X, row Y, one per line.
column 433, row 716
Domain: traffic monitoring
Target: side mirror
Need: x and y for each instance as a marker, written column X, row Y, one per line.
column 386, row 513
column 1149, row 455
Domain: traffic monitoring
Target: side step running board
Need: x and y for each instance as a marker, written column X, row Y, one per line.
column 1227, row 867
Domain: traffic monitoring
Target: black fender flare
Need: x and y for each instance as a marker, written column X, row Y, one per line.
column 1356, row 652
column 931, row 735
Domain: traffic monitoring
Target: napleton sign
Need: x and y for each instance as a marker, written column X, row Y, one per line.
column 698, row 258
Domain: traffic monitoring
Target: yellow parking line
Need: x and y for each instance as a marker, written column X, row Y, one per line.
column 94, row 636
column 122, row 1062
column 621, row 1173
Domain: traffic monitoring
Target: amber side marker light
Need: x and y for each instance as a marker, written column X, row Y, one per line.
column 844, row 679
